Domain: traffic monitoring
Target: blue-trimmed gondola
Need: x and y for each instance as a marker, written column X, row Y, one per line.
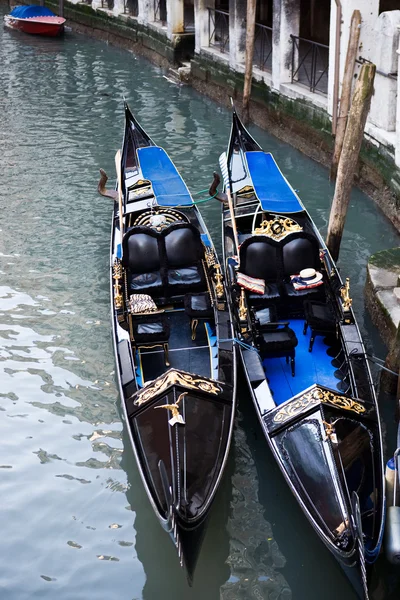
column 303, row 356
column 173, row 343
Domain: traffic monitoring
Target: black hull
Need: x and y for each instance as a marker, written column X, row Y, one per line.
column 181, row 450
column 323, row 429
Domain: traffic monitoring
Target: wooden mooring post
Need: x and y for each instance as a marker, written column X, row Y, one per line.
column 345, row 98
column 61, row 8
column 248, row 73
column 349, row 156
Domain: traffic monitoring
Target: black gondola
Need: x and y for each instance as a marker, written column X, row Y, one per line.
column 172, row 338
column 303, row 356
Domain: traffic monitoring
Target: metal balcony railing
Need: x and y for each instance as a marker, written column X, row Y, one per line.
column 218, row 29
column 310, row 64
column 263, row 47
column 160, row 11
column 131, row 7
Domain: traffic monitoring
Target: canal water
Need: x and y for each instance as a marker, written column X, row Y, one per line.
column 75, row 520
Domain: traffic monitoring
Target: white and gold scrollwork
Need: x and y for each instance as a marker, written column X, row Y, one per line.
column 314, row 397
column 117, row 276
column 159, row 219
column 174, row 377
column 278, row 228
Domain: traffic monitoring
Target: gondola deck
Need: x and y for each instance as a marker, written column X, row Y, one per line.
column 314, row 367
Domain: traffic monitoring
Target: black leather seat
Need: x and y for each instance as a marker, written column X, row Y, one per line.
column 259, row 258
column 197, row 306
column 167, row 263
column 150, row 331
column 300, row 251
column 141, row 257
column 321, row 319
column 184, row 251
column 279, row 341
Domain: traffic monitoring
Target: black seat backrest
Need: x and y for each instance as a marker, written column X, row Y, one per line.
column 300, row 251
column 258, row 257
column 183, row 246
column 140, row 250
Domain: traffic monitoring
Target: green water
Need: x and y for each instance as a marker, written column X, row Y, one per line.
column 75, row 521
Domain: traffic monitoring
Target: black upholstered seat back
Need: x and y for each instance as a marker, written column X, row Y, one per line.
column 183, row 246
column 258, row 258
column 300, row 252
column 141, row 251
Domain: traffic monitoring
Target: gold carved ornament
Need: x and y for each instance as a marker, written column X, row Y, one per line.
column 278, row 228
column 174, row 408
column 314, row 397
column 219, row 288
column 159, row 219
column 242, row 311
column 173, row 377
column 345, row 294
column 212, row 263
column 117, row 275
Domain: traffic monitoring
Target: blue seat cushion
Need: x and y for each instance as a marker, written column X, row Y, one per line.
column 271, row 292
column 315, row 292
column 145, row 281
column 189, row 278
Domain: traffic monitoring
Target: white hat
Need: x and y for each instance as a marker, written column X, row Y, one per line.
column 309, row 276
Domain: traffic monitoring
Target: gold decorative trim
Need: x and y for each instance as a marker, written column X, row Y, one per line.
column 314, row 397
column 242, row 306
column 278, row 228
column 246, row 192
column 345, row 294
column 174, row 377
column 117, row 276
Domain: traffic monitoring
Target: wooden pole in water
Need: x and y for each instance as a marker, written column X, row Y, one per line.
column 61, row 8
column 248, row 73
column 349, row 156
column 345, row 97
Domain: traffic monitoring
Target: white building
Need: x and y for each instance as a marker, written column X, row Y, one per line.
column 300, row 50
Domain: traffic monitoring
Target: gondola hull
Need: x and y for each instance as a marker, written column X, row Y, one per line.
column 177, row 395
column 309, row 379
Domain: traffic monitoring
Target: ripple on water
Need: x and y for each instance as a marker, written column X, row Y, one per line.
column 67, row 472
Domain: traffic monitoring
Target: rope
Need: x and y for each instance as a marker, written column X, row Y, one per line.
column 375, row 359
column 205, row 199
column 240, row 343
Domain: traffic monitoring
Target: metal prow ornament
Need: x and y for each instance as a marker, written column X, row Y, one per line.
column 213, row 191
column 101, row 188
column 174, row 408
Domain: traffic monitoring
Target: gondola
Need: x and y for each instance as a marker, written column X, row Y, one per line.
column 173, row 340
column 303, row 356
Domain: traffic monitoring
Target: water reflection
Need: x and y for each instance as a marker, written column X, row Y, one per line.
column 79, row 523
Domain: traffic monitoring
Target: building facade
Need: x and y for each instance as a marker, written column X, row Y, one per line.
column 299, row 55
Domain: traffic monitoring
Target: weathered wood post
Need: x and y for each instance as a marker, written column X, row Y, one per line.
column 349, row 156
column 250, row 34
column 345, row 97
column 61, row 8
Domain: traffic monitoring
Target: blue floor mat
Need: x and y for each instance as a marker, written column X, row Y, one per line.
column 311, row 367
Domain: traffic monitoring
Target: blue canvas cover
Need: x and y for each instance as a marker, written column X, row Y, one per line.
column 27, row 12
column 272, row 189
column 168, row 186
